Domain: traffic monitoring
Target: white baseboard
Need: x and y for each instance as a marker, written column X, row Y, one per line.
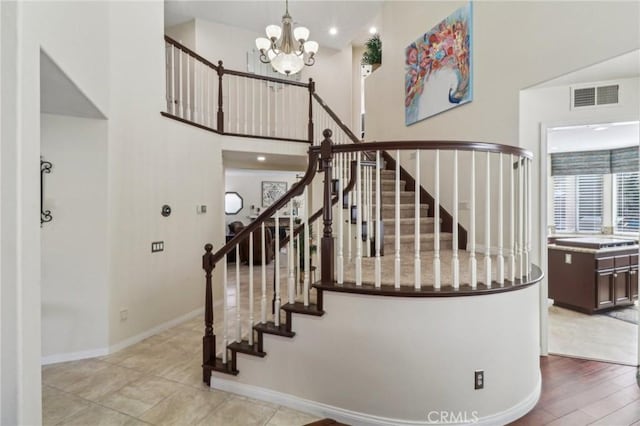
column 363, row 419
column 92, row 353
column 73, row 356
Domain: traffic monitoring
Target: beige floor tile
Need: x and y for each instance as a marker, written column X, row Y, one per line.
column 102, row 382
column 100, row 416
column 186, row 407
column 286, row 417
column 140, row 395
column 189, row 374
column 239, row 412
column 66, row 374
column 58, row 405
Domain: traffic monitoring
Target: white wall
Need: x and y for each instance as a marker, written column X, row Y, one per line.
column 370, row 370
column 508, row 53
column 27, row 28
column 74, row 245
column 248, row 183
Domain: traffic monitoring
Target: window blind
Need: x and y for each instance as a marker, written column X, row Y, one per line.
column 578, row 203
column 595, row 162
column 627, row 202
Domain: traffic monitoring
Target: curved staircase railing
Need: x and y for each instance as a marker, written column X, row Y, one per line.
column 393, row 235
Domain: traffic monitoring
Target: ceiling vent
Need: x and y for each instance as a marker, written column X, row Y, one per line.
column 594, row 96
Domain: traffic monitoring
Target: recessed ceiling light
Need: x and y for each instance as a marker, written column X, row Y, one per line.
column 333, row 31
column 373, row 30
column 261, row 158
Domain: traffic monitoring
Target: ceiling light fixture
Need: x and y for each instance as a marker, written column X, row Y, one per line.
column 261, row 158
column 286, row 48
column 333, row 31
column 373, row 30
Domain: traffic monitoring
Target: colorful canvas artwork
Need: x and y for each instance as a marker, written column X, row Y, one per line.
column 438, row 68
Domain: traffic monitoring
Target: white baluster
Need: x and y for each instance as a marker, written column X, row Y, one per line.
column 340, row 259
column 245, row 107
column 436, row 223
column 318, row 239
column 260, row 85
column 520, row 217
column 237, row 83
column 276, row 311
column 225, row 309
column 290, row 267
column 473, row 263
column 229, row 103
column 378, row 263
column 251, row 322
column 500, row 223
column 180, row 85
column 268, row 110
column 292, row 123
column 263, row 299
column 487, row 224
column 350, row 202
column 298, row 261
column 275, row 111
column 416, row 234
column 205, row 95
column 397, row 224
column 512, row 220
column 370, row 214
column 253, row 107
column 359, row 212
column 196, row 94
column 307, row 248
column 238, row 322
column 167, row 66
column 455, row 261
column 189, row 111
column 529, row 215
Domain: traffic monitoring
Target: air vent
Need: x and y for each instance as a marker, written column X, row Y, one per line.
column 595, row 96
column 584, row 97
column 607, row 95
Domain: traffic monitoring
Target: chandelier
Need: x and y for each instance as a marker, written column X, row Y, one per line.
column 287, row 49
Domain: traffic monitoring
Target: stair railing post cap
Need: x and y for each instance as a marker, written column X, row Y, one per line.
column 327, row 133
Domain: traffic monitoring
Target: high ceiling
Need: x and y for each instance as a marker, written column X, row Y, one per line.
column 352, row 18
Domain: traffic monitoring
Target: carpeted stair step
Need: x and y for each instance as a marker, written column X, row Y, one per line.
column 407, row 210
column 407, row 226
column 407, row 243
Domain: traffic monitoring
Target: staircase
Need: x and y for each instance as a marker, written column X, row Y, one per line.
column 407, row 218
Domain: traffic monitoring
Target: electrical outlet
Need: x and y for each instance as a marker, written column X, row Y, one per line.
column 124, row 314
column 478, row 376
column 567, row 258
column 157, row 246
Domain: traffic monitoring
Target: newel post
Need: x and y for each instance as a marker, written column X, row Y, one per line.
column 326, row 158
column 209, row 339
column 312, row 89
column 220, row 110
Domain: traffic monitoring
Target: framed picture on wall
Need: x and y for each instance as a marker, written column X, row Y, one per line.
column 271, row 191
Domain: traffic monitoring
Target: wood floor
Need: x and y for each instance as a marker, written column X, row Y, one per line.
column 581, row 392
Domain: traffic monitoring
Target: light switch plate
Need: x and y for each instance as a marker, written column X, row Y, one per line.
column 567, row 258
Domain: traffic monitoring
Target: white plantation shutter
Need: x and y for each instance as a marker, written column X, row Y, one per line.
column 627, row 202
column 578, row 203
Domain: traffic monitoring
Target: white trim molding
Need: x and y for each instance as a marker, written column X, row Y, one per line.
column 92, row 353
column 363, row 419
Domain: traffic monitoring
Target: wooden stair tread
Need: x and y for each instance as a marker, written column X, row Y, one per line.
column 299, row 308
column 245, row 348
column 270, row 328
column 326, row 422
column 220, row 367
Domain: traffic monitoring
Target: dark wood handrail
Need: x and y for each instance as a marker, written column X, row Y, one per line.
column 318, row 214
column 429, row 145
column 190, row 52
column 335, row 118
column 229, row 71
column 265, row 78
column 295, row 190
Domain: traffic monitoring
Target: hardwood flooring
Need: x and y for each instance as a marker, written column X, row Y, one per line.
column 582, row 392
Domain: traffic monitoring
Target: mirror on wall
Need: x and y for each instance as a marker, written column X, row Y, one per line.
column 233, row 203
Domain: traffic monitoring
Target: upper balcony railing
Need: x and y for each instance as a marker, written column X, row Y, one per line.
column 238, row 103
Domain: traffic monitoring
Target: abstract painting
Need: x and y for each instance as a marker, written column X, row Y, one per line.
column 272, row 191
column 439, row 69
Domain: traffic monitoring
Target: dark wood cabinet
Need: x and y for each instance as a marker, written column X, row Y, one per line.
column 590, row 279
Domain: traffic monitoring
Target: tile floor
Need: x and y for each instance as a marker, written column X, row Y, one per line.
column 595, row 337
column 157, row 381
